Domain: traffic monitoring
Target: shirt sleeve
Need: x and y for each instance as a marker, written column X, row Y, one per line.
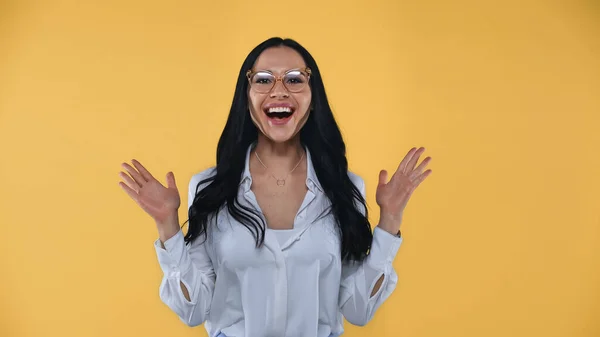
column 359, row 278
column 190, row 265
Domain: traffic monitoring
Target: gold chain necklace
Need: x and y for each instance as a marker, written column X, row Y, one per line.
column 280, row 182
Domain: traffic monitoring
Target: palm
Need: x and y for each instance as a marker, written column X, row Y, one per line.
column 392, row 197
column 158, row 201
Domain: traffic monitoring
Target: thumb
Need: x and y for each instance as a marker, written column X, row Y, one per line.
column 383, row 175
column 171, row 180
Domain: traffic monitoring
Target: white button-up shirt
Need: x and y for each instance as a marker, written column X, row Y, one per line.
column 295, row 285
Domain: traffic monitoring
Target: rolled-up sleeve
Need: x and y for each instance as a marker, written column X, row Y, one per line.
column 359, row 278
column 191, row 266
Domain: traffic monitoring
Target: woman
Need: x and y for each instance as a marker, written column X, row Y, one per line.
column 279, row 242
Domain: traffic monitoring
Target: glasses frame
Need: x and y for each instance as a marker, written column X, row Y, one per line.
column 306, row 71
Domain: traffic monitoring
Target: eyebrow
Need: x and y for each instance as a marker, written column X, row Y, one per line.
column 285, row 71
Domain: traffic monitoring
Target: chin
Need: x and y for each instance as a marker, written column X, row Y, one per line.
column 279, row 134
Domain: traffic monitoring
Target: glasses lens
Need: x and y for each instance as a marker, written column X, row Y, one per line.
column 295, row 80
column 262, row 82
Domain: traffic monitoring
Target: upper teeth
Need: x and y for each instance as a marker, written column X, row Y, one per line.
column 280, row 109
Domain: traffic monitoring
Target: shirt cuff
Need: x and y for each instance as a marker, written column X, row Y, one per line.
column 383, row 249
column 174, row 258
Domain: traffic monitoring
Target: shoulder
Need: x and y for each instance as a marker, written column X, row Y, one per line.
column 200, row 176
column 357, row 180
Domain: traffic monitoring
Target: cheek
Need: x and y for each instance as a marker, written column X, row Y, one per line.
column 254, row 103
column 304, row 102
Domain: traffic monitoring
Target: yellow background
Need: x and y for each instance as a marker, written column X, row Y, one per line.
column 503, row 239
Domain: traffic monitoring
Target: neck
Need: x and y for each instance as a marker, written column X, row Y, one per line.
column 280, row 158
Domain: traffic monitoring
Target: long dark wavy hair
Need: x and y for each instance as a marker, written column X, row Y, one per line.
column 320, row 135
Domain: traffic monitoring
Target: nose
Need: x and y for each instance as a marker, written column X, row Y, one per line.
column 279, row 90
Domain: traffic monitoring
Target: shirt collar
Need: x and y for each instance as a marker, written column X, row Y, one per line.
column 312, row 182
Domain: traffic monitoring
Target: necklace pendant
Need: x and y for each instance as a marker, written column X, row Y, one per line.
column 280, row 182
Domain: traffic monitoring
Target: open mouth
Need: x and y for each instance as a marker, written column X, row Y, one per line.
column 280, row 112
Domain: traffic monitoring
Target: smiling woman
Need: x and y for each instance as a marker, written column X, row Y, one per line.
column 279, row 110
column 279, row 242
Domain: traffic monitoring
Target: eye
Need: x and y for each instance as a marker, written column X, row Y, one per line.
column 295, row 79
column 263, row 81
column 262, row 78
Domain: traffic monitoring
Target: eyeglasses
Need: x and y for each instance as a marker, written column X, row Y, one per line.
column 263, row 81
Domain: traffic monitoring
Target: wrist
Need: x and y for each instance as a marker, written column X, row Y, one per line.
column 390, row 223
column 168, row 227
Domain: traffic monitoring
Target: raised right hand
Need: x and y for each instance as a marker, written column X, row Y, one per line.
column 160, row 202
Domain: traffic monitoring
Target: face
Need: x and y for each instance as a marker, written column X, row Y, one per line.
column 279, row 113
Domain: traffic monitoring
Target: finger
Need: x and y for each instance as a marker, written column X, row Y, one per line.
column 130, row 183
column 145, row 174
column 130, row 192
column 134, row 174
column 416, row 172
column 404, row 161
column 171, row 180
column 383, row 177
column 422, row 177
column 410, row 166
column 140, row 202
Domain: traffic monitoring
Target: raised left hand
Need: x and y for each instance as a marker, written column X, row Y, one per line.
column 393, row 196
